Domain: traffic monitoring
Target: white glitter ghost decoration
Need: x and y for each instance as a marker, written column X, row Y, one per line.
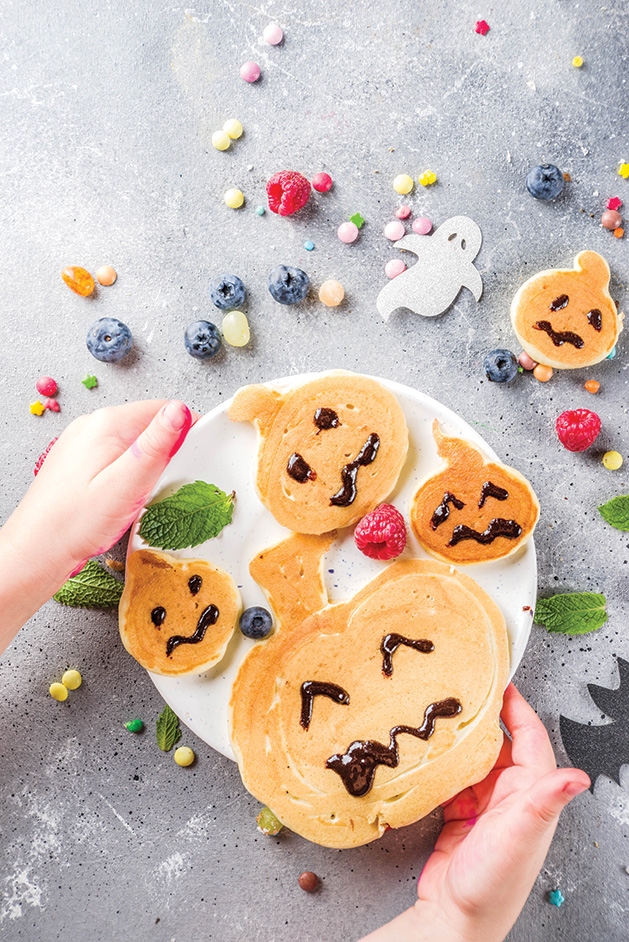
column 445, row 264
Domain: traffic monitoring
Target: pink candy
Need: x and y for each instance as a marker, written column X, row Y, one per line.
column 394, row 267
column 272, row 34
column 321, row 182
column 51, row 404
column 526, row 362
column 46, row 386
column 250, row 71
column 394, row 230
column 403, row 212
column 422, row 225
column 347, row 232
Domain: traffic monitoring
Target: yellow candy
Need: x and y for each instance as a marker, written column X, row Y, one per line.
column 403, row 183
column 234, row 198
column 331, row 293
column 221, row 140
column 58, row 692
column 235, row 329
column 427, row 178
column 623, row 170
column 577, row 62
column 36, row 408
column 612, row 460
column 106, row 275
column 233, row 128
column 72, row 680
column 184, row 756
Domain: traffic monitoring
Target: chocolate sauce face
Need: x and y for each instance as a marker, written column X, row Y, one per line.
column 158, row 615
column 357, row 766
column 325, row 419
column 497, row 527
column 559, row 337
column 390, row 644
column 299, row 469
column 194, row 584
column 491, row 490
column 442, row 512
column 208, row 617
column 595, row 319
column 347, row 494
column 319, row 688
column 559, row 303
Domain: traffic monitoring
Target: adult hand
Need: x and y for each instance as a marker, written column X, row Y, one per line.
column 494, row 840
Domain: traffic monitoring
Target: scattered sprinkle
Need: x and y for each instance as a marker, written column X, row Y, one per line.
column 427, row 178
column 58, row 692
column 331, row 293
column 250, row 72
column 234, row 198
column 577, row 62
column 184, row 756
column 526, row 362
column 106, row 275
column 36, row 408
column 347, row 232
column 592, row 386
column 90, row 382
column 403, row 212
column 543, row 373
column 611, row 219
column 309, row 246
column 115, row 564
column 394, row 230
column 72, row 680
column 46, row 386
column 556, row 898
column 268, row 823
column 567, row 177
column 394, row 267
column 358, row 220
column 422, row 225
column 482, row 27
column 221, row 140
column 233, row 129
column 273, row 34
column 612, row 460
column 52, row 404
column 614, row 202
column 619, row 232
column 403, row 183
column 79, row 279
column 623, row 170
column 309, row 881
column 134, row 726
column 322, row 182
column 611, row 355
column 260, row 210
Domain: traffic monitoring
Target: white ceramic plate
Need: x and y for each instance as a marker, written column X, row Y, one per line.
column 223, row 452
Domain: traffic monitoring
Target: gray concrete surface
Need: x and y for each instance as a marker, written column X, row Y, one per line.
column 105, row 157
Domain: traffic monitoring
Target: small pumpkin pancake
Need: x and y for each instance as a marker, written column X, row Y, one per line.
column 369, row 713
column 473, row 510
column 565, row 317
column 176, row 616
column 329, row 451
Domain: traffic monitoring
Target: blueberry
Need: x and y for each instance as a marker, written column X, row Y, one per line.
column 256, row 622
column 109, row 340
column 227, row 292
column 501, row 366
column 545, row 182
column 202, row 340
column 288, row 285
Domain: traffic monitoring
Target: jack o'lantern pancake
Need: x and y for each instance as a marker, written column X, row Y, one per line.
column 329, row 451
column 371, row 712
column 472, row 510
column 176, row 616
column 565, row 317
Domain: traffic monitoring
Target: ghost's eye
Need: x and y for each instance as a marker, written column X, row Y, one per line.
column 452, row 237
column 195, row 583
column 463, row 243
column 560, row 303
column 595, row 319
column 325, row 419
column 299, row 469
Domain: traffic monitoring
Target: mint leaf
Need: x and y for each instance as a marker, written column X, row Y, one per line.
column 167, row 729
column 193, row 514
column 575, row 613
column 92, row 587
column 616, row 512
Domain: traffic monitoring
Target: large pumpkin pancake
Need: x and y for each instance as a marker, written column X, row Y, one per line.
column 176, row 616
column 472, row 510
column 371, row 712
column 565, row 317
column 329, row 451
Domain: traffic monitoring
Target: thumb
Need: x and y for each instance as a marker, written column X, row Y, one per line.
column 550, row 794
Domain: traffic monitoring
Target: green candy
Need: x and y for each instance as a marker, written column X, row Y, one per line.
column 268, row 823
column 134, row 726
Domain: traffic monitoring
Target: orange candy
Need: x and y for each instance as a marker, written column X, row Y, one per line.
column 78, row 280
column 543, row 373
column 592, row 386
column 619, row 232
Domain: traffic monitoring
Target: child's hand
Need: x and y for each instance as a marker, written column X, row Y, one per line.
column 494, row 840
column 91, row 486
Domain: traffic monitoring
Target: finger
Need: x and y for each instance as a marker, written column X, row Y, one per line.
column 546, row 799
column 530, row 746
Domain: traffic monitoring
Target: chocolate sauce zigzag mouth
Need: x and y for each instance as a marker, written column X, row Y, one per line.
column 559, row 337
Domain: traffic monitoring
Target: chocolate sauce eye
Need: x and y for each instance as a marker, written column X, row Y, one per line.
column 195, row 583
column 325, row 419
column 158, row 615
column 595, row 319
column 560, row 303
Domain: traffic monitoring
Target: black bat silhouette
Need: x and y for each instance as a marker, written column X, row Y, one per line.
column 601, row 750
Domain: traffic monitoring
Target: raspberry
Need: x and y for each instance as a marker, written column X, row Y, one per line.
column 382, row 533
column 577, row 429
column 287, row 191
column 43, row 457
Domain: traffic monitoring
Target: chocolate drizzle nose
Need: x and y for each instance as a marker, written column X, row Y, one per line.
column 442, row 512
column 325, row 419
column 497, row 527
column 299, row 469
column 390, row 644
column 319, row 688
column 357, row 766
column 209, row 616
column 559, row 337
column 491, row 490
column 595, row 319
column 347, row 494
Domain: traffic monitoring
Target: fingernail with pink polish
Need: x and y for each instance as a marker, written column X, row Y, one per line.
column 177, row 415
column 183, row 409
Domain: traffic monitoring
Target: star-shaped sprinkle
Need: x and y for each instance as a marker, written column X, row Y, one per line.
column 358, row 220
column 614, row 202
column 90, row 382
column 52, row 404
column 482, row 27
column 427, row 178
column 623, row 170
column 556, row 898
column 36, row 408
